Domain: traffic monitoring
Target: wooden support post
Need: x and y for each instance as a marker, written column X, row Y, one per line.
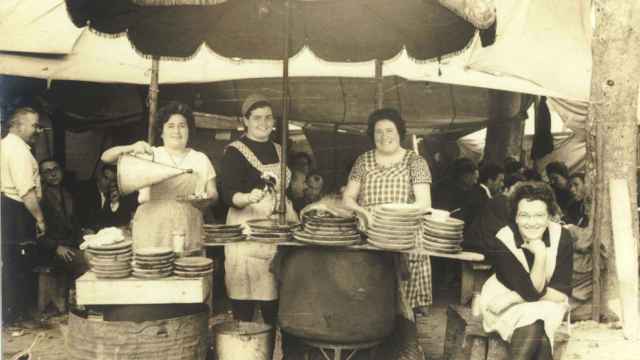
column 611, row 127
column 379, row 85
column 282, row 216
column 504, row 134
column 153, row 99
column 625, row 247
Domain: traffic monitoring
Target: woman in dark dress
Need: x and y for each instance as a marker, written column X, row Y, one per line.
column 527, row 297
column 245, row 164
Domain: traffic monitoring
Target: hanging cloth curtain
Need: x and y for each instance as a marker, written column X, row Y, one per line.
column 542, row 139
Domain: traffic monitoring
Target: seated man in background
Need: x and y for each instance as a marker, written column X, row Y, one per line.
column 59, row 249
column 577, row 211
column 582, row 282
column 558, row 175
column 314, row 188
column 101, row 204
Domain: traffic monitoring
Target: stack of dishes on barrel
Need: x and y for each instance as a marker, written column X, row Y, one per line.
column 270, row 230
column 395, row 226
column 153, row 262
column 193, row 267
column 222, row 234
column 111, row 261
column 324, row 229
column 442, row 234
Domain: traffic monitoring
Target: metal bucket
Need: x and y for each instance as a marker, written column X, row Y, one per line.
column 135, row 173
column 180, row 338
column 243, row 340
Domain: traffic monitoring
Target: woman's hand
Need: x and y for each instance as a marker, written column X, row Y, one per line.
column 536, row 247
column 255, row 196
column 140, row 147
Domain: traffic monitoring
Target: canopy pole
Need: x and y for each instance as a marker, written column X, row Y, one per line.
column 285, row 117
column 379, row 85
column 153, row 99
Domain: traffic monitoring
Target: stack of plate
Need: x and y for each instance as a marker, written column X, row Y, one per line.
column 395, row 226
column 153, row 262
column 190, row 267
column 214, row 233
column 442, row 235
column 327, row 230
column 111, row 261
column 270, row 231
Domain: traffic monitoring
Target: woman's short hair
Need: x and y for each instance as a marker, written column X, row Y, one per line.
column 174, row 108
column 530, row 191
column 386, row 114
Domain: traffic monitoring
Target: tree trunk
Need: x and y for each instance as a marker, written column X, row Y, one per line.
column 504, row 132
column 612, row 126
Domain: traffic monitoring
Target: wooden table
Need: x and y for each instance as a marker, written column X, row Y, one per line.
column 132, row 291
column 463, row 256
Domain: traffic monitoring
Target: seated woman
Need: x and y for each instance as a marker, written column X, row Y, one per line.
column 167, row 206
column 527, row 297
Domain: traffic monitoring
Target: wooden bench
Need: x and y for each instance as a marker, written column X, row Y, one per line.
column 474, row 274
column 466, row 340
column 52, row 288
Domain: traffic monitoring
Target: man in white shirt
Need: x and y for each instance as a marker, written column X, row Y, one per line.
column 22, row 219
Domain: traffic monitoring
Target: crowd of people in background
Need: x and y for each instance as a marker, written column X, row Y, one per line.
column 477, row 194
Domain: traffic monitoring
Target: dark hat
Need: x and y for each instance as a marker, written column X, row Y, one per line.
column 252, row 100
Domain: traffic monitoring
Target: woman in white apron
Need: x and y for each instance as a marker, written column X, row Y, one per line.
column 248, row 278
column 165, row 207
column 527, row 297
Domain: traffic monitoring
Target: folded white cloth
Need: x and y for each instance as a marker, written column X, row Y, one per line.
column 110, row 235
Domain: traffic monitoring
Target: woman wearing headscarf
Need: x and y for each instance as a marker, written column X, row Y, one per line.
column 247, row 165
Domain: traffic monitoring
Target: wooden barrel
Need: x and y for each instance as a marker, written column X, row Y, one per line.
column 185, row 337
column 337, row 295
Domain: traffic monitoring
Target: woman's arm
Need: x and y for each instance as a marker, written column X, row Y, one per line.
column 350, row 200
column 423, row 195
column 538, row 273
column 111, row 155
column 555, row 296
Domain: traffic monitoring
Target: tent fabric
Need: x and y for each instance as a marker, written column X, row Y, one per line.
column 353, row 30
column 544, row 41
column 44, row 28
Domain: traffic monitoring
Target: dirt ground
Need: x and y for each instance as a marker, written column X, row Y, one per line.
column 589, row 340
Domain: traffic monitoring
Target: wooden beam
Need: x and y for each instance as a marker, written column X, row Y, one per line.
column 504, row 131
column 153, row 99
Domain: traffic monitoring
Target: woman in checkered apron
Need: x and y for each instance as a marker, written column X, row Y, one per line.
column 392, row 174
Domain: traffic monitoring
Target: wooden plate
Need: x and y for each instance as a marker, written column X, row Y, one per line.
column 329, row 219
column 168, row 260
column 438, row 240
column 109, row 252
column 316, row 237
column 409, row 231
column 403, row 208
column 158, row 271
column 449, row 235
column 269, row 224
column 390, row 236
column 154, row 251
column 190, row 274
column 114, row 276
column 394, row 222
column 449, row 224
column 111, row 272
column 327, row 242
column 197, row 261
column 114, row 246
column 387, row 246
column 387, row 240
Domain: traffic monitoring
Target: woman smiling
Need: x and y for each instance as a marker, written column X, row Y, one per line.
column 527, row 298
